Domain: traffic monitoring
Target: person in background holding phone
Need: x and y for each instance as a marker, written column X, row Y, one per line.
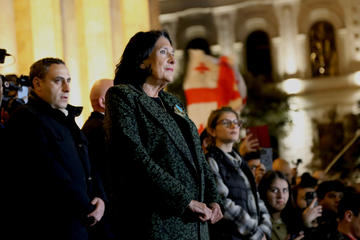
column 249, row 144
column 305, row 215
column 274, row 190
column 329, row 194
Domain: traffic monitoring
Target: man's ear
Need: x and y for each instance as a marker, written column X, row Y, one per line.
column 348, row 215
column 101, row 102
column 36, row 82
column 142, row 66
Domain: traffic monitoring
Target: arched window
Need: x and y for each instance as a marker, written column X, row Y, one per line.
column 323, row 55
column 258, row 57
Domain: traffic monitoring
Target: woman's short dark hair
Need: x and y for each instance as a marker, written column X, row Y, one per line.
column 40, row 68
column 138, row 49
column 252, row 155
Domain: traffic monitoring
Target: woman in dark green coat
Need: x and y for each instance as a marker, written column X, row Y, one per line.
column 162, row 187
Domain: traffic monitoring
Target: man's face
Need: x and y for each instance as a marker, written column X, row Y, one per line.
column 54, row 87
column 300, row 199
column 331, row 201
column 259, row 173
column 253, row 165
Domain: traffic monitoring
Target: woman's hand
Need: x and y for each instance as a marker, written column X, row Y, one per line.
column 216, row 212
column 249, row 144
column 310, row 214
column 204, row 213
column 98, row 213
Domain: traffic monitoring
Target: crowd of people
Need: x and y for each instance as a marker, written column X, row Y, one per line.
column 138, row 168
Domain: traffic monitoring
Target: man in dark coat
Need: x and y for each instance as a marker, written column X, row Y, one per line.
column 54, row 194
column 94, row 130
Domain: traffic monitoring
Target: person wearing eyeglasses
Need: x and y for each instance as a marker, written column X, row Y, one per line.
column 245, row 214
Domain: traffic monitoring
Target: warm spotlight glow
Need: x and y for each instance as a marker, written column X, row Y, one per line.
column 291, row 65
column 357, row 78
column 95, row 47
column 298, row 140
column 135, row 17
column 46, row 29
column 292, row 86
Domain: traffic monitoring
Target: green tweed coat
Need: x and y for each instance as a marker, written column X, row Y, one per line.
column 157, row 167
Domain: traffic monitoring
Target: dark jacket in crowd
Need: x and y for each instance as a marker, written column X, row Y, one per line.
column 93, row 129
column 50, row 178
column 157, row 165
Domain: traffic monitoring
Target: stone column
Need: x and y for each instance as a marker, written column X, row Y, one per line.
column 287, row 18
column 72, row 54
column 225, row 22
column 94, row 44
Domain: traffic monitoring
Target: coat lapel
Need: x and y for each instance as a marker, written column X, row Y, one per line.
column 178, row 110
column 168, row 124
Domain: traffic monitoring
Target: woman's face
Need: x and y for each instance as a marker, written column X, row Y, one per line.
column 227, row 128
column 278, row 194
column 161, row 61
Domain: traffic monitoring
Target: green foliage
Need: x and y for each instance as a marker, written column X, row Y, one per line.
column 266, row 105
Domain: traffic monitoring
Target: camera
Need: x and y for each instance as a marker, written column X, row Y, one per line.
column 15, row 91
column 3, row 54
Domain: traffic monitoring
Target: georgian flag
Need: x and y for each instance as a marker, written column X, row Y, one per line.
column 211, row 83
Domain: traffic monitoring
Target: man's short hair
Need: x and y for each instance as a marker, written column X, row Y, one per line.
column 328, row 186
column 308, row 181
column 40, row 68
column 350, row 201
column 252, row 155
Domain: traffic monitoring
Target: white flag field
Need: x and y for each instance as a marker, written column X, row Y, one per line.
column 211, row 83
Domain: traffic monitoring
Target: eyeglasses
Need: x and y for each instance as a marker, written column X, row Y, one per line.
column 228, row 123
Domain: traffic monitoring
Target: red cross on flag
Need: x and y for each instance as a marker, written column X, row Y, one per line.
column 211, row 83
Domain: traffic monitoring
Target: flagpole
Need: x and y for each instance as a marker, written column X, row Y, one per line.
column 357, row 134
